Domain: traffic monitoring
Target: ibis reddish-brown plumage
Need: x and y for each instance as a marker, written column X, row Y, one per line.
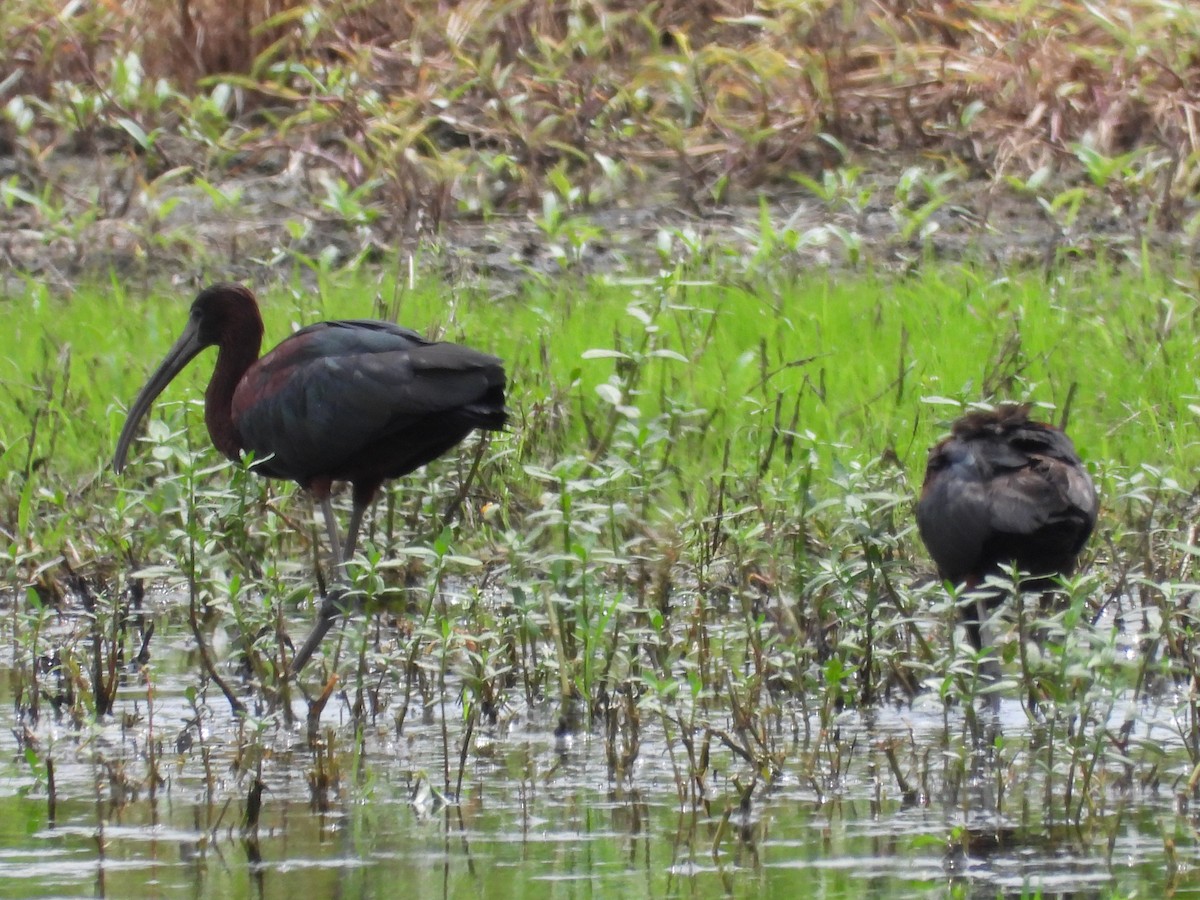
column 352, row 400
column 1005, row 490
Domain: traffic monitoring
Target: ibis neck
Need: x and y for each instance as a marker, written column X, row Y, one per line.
column 232, row 364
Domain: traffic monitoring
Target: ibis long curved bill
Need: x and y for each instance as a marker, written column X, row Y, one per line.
column 184, row 351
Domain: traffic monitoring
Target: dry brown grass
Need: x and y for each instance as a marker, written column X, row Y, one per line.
column 721, row 94
column 187, row 39
column 888, row 71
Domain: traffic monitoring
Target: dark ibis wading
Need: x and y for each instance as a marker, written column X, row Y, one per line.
column 354, row 400
column 1005, row 490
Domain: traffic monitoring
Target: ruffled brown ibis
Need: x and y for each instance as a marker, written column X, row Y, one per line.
column 352, row 400
column 1004, row 490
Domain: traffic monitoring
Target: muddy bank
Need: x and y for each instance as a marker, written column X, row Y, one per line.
column 289, row 216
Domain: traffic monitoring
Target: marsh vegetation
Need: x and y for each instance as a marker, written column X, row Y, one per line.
column 675, row 634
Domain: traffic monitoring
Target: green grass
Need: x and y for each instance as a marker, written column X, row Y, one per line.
column 672, row 433
column 700, row 524
column 860, row 361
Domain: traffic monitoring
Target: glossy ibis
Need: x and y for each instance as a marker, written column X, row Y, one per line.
column 1004, row 490
column 352, row 400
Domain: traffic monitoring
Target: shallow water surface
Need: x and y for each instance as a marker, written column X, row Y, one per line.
column 153, row 801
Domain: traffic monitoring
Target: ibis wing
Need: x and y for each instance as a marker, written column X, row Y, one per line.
column 1024, row 499
column 954, row 515
column 1045, row 487
column 1003, row 491
column 336, row 391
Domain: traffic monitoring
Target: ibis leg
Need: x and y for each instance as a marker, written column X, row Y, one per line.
column 356, row 517
column 332, row 606
column 335, row 545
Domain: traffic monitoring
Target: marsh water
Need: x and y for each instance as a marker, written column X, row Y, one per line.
column 154, row 800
